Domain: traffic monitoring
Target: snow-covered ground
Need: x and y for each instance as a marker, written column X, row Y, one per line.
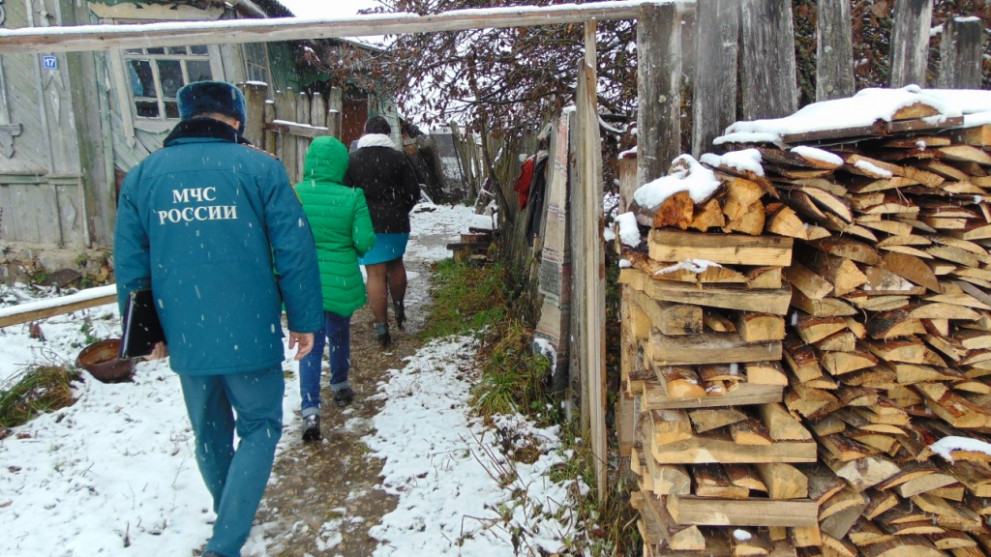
column 114, row 474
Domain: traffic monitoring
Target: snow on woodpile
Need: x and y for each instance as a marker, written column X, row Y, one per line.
column 851, row 287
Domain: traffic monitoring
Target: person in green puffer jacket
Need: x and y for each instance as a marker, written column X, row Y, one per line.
column 342, row 231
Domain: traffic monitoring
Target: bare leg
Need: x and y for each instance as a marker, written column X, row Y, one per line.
column 378, row 292
column 396, row 270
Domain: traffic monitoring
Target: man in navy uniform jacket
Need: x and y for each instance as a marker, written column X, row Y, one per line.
column 209, row 223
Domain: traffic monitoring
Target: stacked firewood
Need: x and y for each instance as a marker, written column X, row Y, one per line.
column 885, row 344
column 715, row 449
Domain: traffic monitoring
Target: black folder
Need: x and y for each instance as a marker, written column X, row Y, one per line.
column 142, row 329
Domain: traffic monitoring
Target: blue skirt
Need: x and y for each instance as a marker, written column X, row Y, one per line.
column 387, row 247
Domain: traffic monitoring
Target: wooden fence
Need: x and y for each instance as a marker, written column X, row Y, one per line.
column 285, row 122
column 744, row 65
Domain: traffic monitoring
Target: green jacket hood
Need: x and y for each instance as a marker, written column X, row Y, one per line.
column 326, row 160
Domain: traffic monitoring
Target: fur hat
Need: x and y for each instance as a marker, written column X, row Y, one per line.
column 204, row 97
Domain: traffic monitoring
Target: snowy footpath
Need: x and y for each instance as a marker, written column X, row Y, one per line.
column 114, row 474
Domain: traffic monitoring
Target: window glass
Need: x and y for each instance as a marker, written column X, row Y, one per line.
column 256, row 62
column 155, row 76
column 142, row 80
column 199, row 70
column 170, row 72
column 147, row 109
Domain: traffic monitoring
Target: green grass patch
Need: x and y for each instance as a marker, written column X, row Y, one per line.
column 514, row 379
column 35, row 391
column 486, row 300
column 466, row 298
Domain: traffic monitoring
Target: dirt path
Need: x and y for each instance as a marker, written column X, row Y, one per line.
column 324, row 497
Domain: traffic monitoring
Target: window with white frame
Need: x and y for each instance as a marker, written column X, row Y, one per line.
column 256, row 62
column 157, row 73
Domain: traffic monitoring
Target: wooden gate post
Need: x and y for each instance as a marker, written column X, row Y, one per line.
column 717, row 30
column 834, row 51
column 910, row 42
column 658, row 90
column 961, row 48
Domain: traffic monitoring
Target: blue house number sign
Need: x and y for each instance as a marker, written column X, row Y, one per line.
column 49, row 62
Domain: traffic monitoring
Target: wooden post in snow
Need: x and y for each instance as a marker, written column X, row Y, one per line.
column 335, row 116
column 285, row 109
column 658, row 90
column 910, row 42
column 768, row 61
column 302, row 143
column 960, row 50
column 270, row 142
column 318, row 111
column 834, row 51
column 254, row 99
column 717, row 31
column 588, row 314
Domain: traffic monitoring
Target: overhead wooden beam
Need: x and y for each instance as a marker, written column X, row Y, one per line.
column 105, row 37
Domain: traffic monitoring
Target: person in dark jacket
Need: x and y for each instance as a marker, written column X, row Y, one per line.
column 207, row 222
column 391, row 189
column 343, row 231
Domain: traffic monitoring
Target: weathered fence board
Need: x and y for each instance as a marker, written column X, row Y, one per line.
column 715, row 85
column 768, row 81
column 910, row 42
column 961, row 49
column 659, row 70
column 834, row 51
column 589, row 270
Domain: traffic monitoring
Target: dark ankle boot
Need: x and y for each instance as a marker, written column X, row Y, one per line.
column 311, row 428
column 400, row 314
column 382, row 334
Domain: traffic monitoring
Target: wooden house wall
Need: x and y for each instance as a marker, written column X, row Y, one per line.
column 77, row 136
column 41, row 179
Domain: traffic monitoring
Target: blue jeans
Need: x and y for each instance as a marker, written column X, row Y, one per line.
column 219, row 405
column 336, row 329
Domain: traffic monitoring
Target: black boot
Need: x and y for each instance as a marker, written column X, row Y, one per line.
column 400, row 313
column 382, row 334
column 343, row 397
column 311, row 428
